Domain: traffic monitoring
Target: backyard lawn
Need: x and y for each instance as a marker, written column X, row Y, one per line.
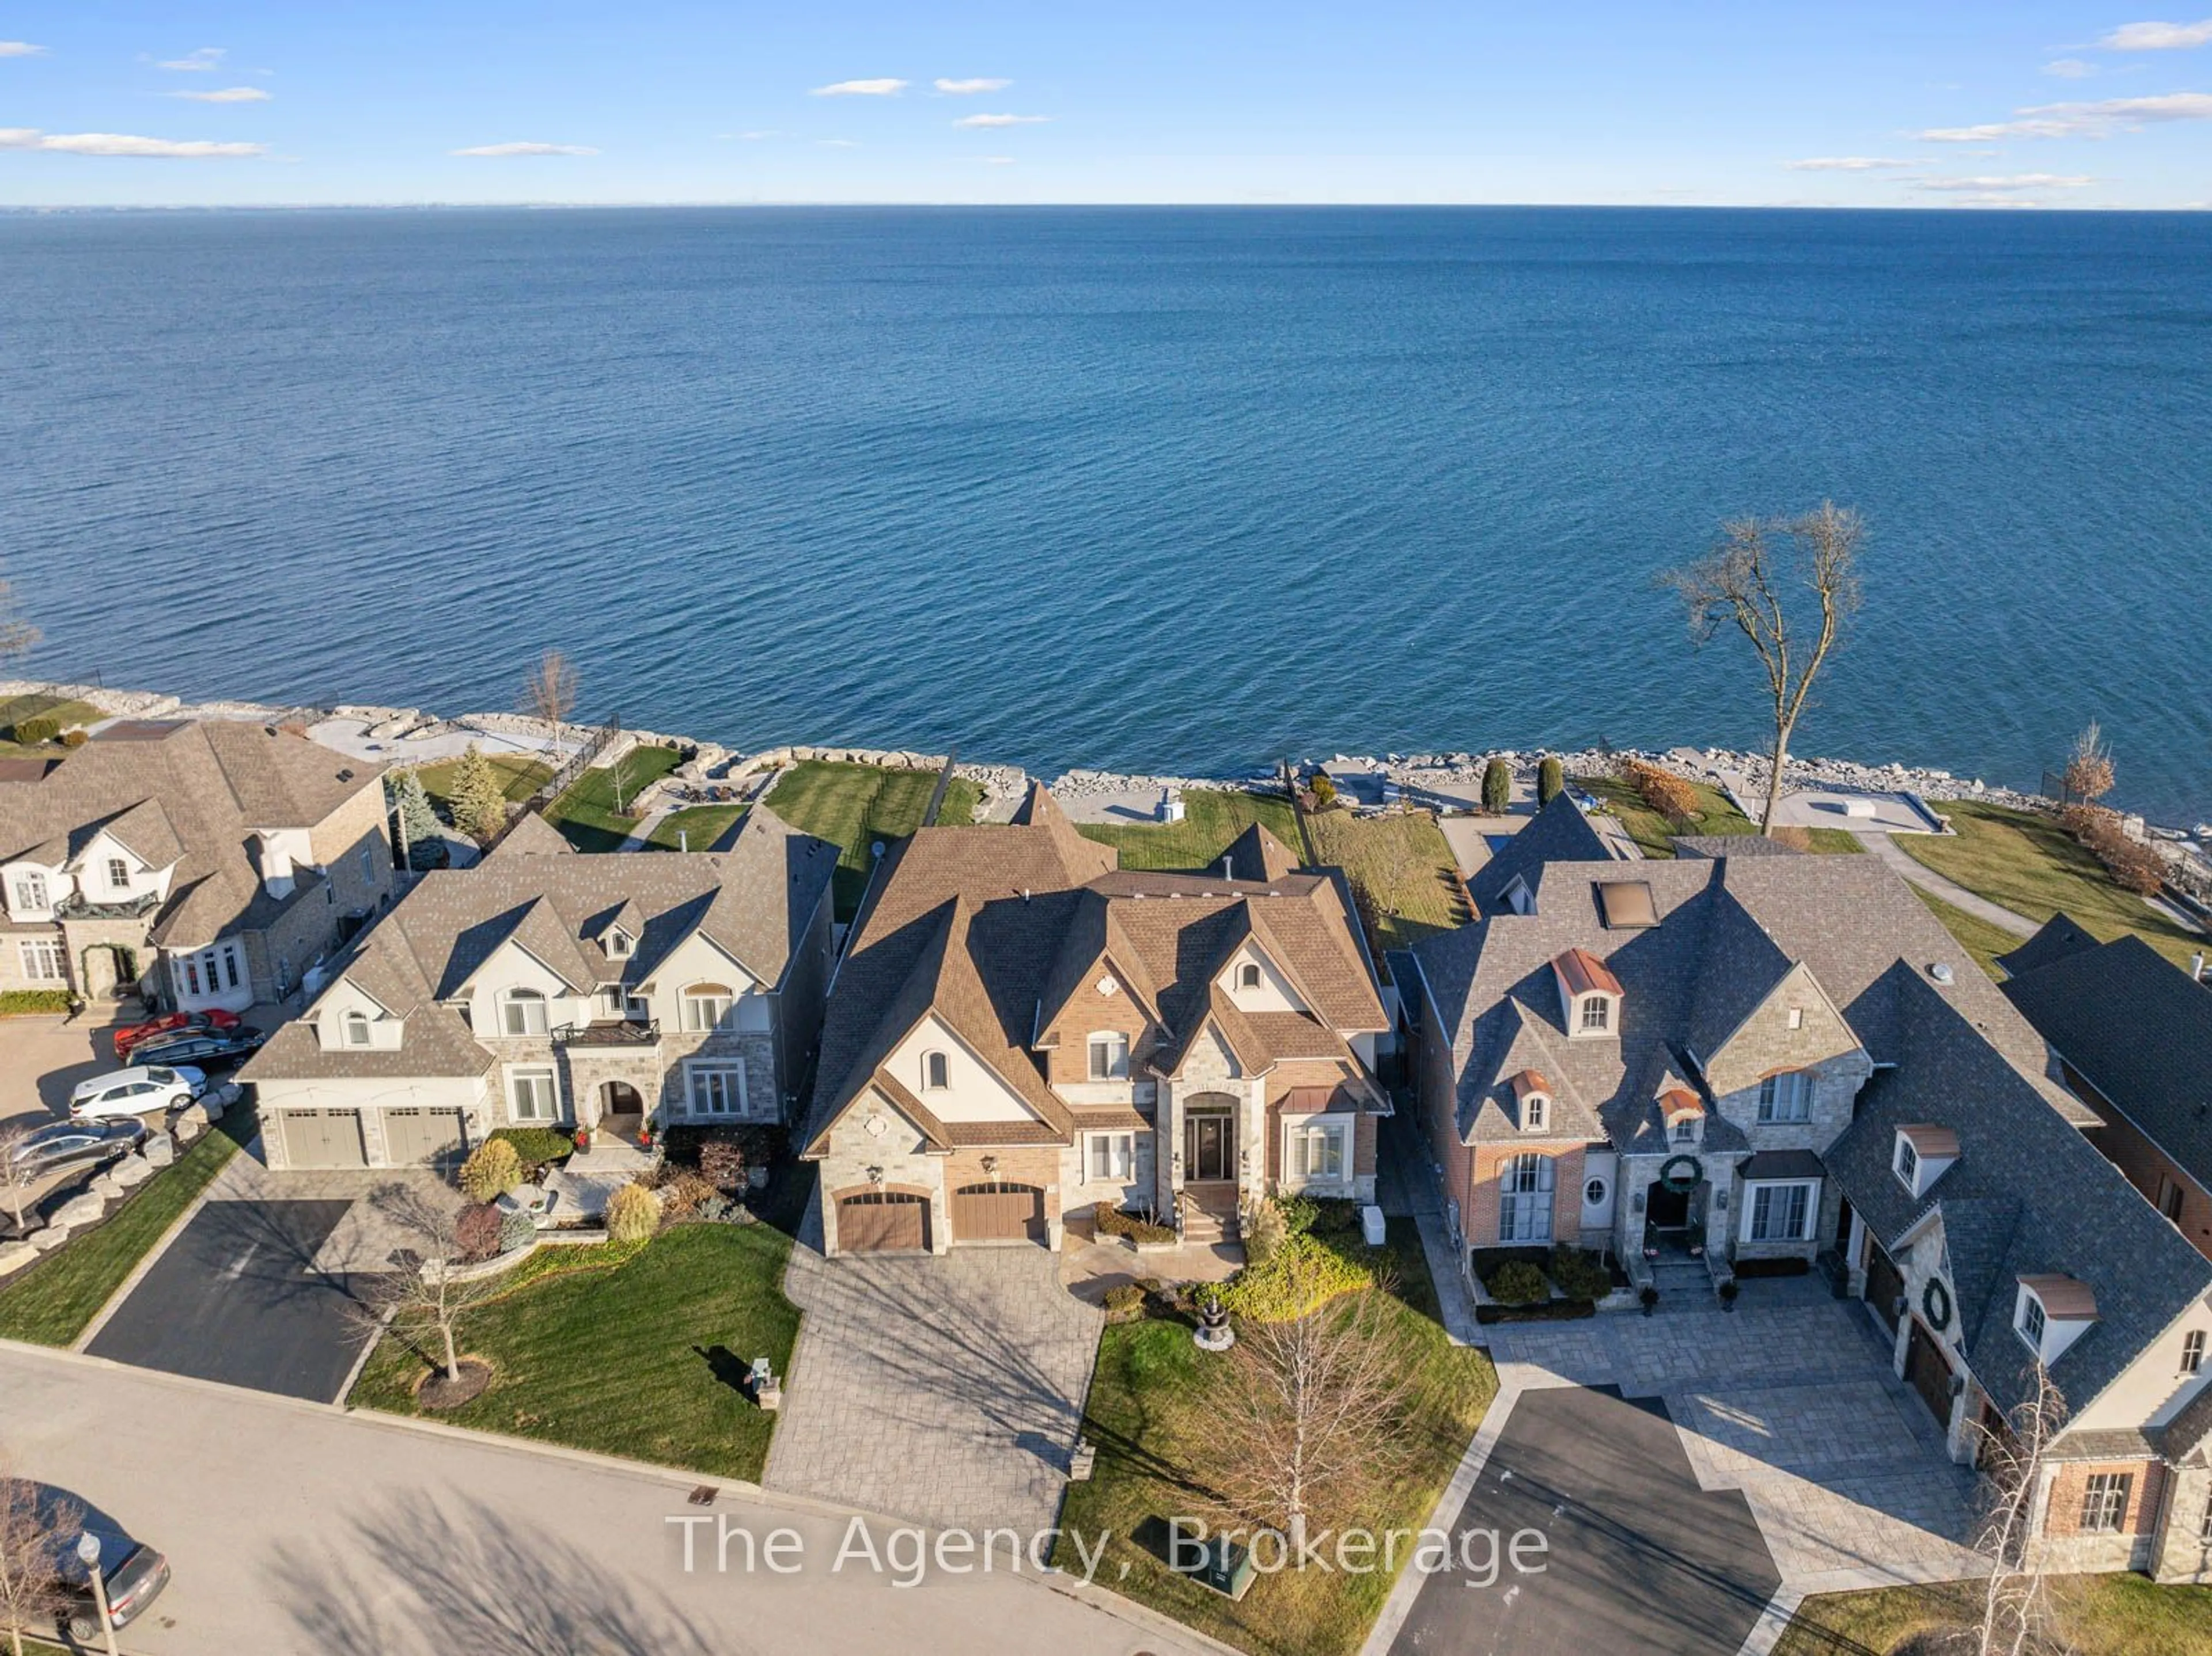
column 1399, row 863
column 72, row 714
column 1975, row 935
column 586, row 813
column 49, row 1302
column 695, row 827
column 631, row 1351
column 854, row 806
column 1212, row 818
column 1153, row 1417
column 2092, row 1613
column 2027, row 862
column 1717, row 813
column 520, row 775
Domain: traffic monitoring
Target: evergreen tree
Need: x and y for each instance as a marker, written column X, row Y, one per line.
column 410, row 804
column 479, row 804
column 1550, row 780
column 1497, row 786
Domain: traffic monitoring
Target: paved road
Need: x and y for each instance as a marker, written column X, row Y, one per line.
column 237, row 1298
column 294, row 1528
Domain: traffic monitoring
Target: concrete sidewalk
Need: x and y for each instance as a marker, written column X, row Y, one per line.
column 1919, row 874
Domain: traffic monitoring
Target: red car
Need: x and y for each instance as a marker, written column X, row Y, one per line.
column 175, row 1023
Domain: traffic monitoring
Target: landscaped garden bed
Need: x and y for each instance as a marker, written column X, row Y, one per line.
column 2090, row 1613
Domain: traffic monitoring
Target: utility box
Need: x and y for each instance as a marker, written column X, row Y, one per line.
column 1171, row 807
column 1371, row 1223
column 1226, row 1567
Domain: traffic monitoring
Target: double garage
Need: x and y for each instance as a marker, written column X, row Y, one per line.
column 896, row 1219
column 401, row 1136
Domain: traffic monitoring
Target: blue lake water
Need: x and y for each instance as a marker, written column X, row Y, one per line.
column 1165, row 488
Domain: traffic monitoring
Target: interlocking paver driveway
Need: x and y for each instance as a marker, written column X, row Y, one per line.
column 947, row 1391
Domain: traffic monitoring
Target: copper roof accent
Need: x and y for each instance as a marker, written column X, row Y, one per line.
column 1525, row 1081
column 1319, row 1100
column 2067, row 1299
column 1627, row 904
column 1585, row 974
column 1679, row 1104
column 1927, row 1140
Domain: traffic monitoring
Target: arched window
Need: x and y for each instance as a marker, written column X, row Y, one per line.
column 356, row 1028
column 936, row 1072
column 1109, row 1056
column 705, row 1006
column 1597, row 1013
column 1248, row 975
column 522, row 1012
column 1524, row 1198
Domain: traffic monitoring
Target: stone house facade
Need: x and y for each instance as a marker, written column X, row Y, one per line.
column 1021, row 1031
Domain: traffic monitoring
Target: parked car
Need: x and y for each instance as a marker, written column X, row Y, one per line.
column 174, row 1023
column 68, row 1143
column 133, row 1572
column 139, row 1090
column 204, row 1049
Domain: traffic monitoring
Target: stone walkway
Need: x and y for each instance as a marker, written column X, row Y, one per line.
column 945, row 1390
column 1950, row 891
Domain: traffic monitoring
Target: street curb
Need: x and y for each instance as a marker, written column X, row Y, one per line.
column 152, row 1256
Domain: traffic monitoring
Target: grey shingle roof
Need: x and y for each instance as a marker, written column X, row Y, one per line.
column 2135, row 1028
column 1558, row 833
column 2057, row 938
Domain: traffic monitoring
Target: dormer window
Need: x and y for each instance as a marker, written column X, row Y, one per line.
column 936, row 1072
column 1248, row 975
column 620, row 944
column 2032, row 1322
column 31, row 894
column 1685, row 1131
column 118, row 875
column 1519, row 898
column 355, row 1025
column 1535, row 1113
column 1908, row 1162
column 2051, row 1313
column 1597, row 1015
column 1923, row 1154
column 1588, row 994
column 1532, row 1094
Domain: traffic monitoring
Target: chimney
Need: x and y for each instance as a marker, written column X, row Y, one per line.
column 276, row 868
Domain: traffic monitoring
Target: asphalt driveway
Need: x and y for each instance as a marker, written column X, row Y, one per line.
column 1638, row 1560
column 238, row 1297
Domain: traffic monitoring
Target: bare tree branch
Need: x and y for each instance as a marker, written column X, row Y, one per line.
column 420, row 1299
column 550, row 692
column 2015, row 1608
column 35, row 1533
column 17, row 1179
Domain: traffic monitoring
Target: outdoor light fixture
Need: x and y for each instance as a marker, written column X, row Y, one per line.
column 990, row 1166
column 88, row 1554
column 875, row 1175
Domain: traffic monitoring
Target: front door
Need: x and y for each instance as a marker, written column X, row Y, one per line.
column 1206, row 1153
column 1930, row 1371
column 1667, row 1210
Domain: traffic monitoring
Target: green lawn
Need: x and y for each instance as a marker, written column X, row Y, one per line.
column 72, row 714
column 625, row 1351
column 520, row 776
column 1151, row 1416
column 1404, row 873
column 1976, row 936
column 1827, row 841
column 1212, row 818
column 2094, row 1613
column 49, row 1302
column 585, row 813
column 854, row 806
column 2024, row 861
column 698, row 827
column 1715, row 814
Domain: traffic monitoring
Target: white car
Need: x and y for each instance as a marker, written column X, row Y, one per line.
column 139, row 1090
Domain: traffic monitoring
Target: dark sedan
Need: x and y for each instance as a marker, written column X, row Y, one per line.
column 66, row 1143
column 206, row 1049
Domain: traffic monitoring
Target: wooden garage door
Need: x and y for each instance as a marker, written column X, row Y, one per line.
column 1930, row 1371
column 324, row 1139
column 414, row 1137
column 881, row 1222
column 1884, row 1283
column 997, row 1212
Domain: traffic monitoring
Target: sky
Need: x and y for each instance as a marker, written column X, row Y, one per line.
column 1942, row 103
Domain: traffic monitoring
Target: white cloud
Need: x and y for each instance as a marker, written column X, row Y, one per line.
column 120, row 144
column 229, row 94
column 885, row 87
column 204, row 61
column 2097, row 120
column 2158, row 36
column 1985, row 186
column 1000, row 120
column 1845, row 164
column 2069, row 68
column 963, row 89
column 21, row 49
column 839, row 143
column 501, row 151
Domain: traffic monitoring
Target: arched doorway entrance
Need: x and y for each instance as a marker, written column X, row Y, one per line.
column 620, row 1109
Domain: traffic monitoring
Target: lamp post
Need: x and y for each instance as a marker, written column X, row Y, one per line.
column 88, row 1553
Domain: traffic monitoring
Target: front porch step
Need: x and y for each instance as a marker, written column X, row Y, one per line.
column 1204, row 1229
column 1683, row 1285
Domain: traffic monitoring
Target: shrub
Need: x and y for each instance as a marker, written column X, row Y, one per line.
column 75, row 738
column 535, row 1147
column 683, row 1196
column 39, row 727
column 1580, row 1273
column 633, row 1214
column 476, row 1231
column 1670, row 795
column 1125, row 1302
column 516, row 1229
column 1550, row 780
column 1299, row 1213
column 1302, row 1276
column 720, row 1209
column 491, row 1171
column 722, row 1163
column 1518, row 1284
column 17, row 1002
column 1137, row 1227
column 1265, row 1232
column 1324, row 791
column 2130, row 861
column 1497, row 786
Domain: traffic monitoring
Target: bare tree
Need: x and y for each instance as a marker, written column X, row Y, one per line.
column 34, row 1532
column 421, row 1299
column 15, row 1177
column 2015, row 1607
column 17, row 635
column 1750, row 580
column 1310, row 1403
column 550, row 692
column 2089, row 774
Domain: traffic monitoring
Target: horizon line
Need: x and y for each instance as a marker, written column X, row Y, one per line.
column 557, row 204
